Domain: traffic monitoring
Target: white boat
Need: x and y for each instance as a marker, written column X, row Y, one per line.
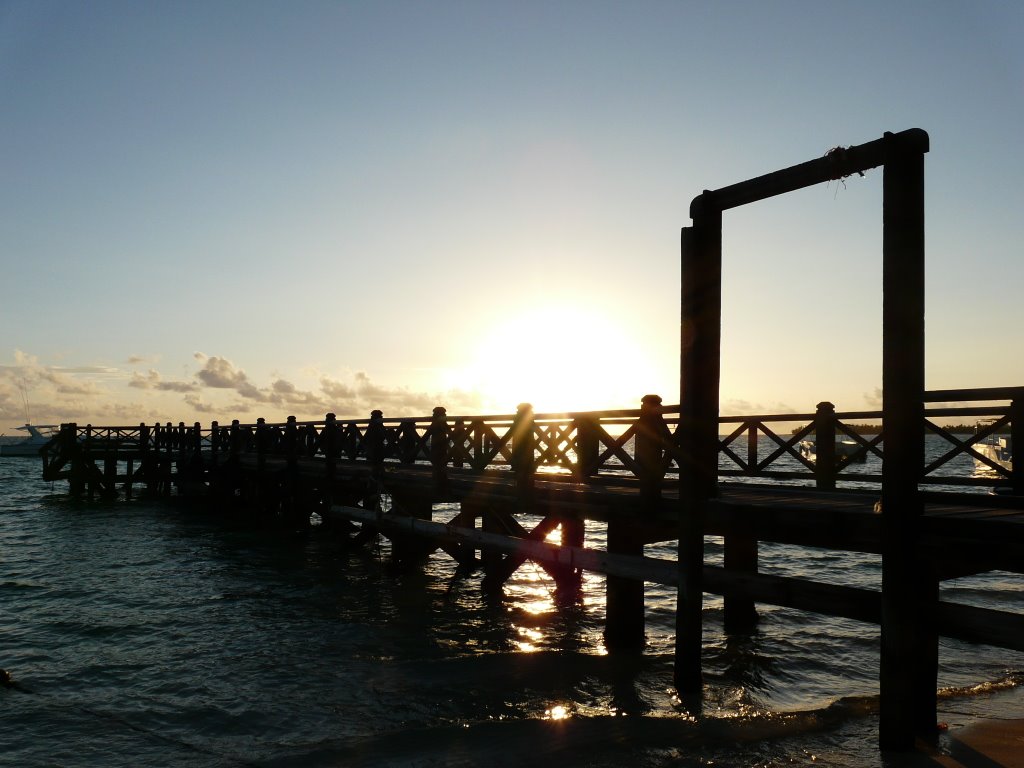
column 38, row 436
column 844, row 448
column 995, row 448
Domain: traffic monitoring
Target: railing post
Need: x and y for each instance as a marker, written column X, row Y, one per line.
column 523, row 449
column 291, row 442
column 308, row 441
column 374, row 441
column 171, row 440
column 329, row 443
column 476, row 450
column 144, row 468
column 1017, row 443
column 214, row 442
column 351, row 441
column 407, row 440
column 235, row 440
column 586, row 445
column 439, row 452
column 87, row 465
column 825, row 446
column 649, row 448
column 69, row 434
column 459, row 444
column 262, row 444
column 751, row 446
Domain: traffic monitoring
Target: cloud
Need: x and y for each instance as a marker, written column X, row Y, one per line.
column 734, row 407
column 336, row 390
column 220, row 373
column 153, row 380
column 363, row 395
column 197, row 404
column 27, row 374
column 285, row 393
column 874, row 399
column 216, row 389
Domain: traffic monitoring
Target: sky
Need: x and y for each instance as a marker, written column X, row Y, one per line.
column 217, row 210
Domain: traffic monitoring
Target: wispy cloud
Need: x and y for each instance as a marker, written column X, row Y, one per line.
column 153, row 380
column 217, row 388
column 735, row 407
column 874, row 399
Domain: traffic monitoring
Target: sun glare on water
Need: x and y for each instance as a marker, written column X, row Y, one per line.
column 558, row 358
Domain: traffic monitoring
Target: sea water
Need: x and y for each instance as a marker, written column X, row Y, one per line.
column 145, row 633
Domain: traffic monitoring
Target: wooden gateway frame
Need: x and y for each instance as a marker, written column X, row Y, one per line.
column 909, row 650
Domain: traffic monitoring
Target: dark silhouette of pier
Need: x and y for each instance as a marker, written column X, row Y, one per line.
column 658, row 473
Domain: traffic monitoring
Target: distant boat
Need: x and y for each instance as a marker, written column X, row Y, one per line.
column 996, row 448
column 29, row 447
column 844, row 448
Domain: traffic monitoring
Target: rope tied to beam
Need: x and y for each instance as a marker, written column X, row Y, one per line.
column 841, row 159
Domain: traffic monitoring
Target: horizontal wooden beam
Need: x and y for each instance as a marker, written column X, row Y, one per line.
column 981, row 625
column 976, row 394
column 976, row 625
column 640, row 568
column 835, row 164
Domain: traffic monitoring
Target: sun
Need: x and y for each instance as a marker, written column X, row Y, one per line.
column 558, row 358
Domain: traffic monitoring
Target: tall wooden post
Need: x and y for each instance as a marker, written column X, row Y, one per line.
column 908, row 668
column 624, row 597
column 700, row 365
column 740, row 554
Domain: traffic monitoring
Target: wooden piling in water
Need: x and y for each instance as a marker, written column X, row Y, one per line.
column 908, row 668
column 624, row 597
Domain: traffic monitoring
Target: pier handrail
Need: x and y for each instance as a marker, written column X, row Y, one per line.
column 633, row 445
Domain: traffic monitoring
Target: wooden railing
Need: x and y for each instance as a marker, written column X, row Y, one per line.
column 636, row 445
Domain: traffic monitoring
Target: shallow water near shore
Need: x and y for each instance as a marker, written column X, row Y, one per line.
column 146, row 633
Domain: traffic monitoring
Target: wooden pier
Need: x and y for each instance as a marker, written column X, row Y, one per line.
column 463, row 485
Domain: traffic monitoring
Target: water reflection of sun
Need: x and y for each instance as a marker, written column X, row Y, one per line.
column 557, row 358
column 557, row 712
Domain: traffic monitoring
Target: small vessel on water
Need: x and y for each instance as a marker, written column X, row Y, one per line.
column 29, row 447
column 996, row 448
column 844, row 448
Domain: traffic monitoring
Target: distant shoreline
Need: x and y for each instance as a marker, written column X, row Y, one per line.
column 874, row 429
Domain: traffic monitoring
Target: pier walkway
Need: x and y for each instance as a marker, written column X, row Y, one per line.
column 468, row 485
column 495, row 491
